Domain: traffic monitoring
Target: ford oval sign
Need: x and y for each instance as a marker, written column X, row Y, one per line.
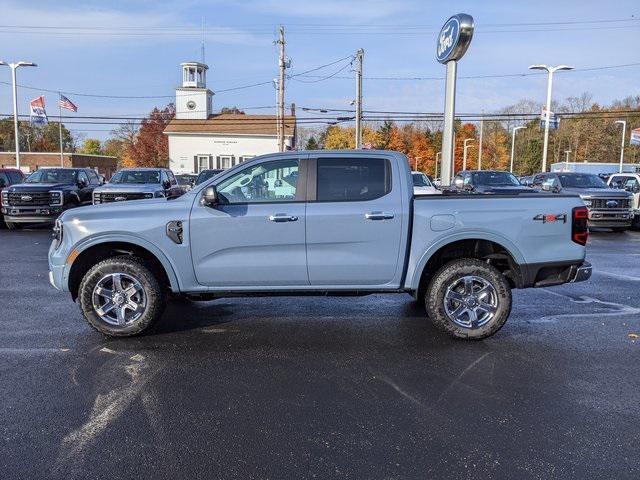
column 454, row 38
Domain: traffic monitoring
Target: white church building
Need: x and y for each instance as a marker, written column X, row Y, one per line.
column 200, row 139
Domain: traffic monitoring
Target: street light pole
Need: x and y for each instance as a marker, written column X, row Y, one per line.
column 550, row 71
column 464, row 153
column 624, row 132
column 14, row 67
column 513, row 145
column 438, row 155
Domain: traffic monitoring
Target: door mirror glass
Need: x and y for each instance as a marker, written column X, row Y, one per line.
column 210, row 197
column 82, row 183
column 166, row 184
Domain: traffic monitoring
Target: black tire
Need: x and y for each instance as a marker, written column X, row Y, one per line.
column 154, row 295
column 13, row 226
column 619, row 229
column 450, row 275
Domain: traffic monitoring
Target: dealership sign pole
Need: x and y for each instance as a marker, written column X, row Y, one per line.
column 453, row 41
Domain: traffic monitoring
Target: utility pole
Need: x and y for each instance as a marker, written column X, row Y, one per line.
column 480, row 142
column 624, row 132
column 513, row 145
column 359, row 59
column 282, row 66
column 438, row 155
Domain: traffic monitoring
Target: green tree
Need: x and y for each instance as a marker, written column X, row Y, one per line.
column 312, row 144
column 91, row 146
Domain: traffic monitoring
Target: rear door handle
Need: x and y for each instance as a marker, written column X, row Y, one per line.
column 378, row 216
column 283, row 217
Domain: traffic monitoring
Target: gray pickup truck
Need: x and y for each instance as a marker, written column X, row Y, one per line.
column 139, row 184
column 608, row 207
column 326, row 222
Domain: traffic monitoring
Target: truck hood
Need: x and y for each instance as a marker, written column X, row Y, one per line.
column 40, row 187
column 134, row 188
column 504, row 190
column 598, row 192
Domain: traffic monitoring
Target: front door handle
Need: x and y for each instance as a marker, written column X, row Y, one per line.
column 378, row 216
column 282, row 217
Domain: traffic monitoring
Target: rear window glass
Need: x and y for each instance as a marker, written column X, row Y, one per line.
column 352, row 179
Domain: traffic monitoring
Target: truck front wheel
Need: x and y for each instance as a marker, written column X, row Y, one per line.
column 468, row 298
column 121, row 297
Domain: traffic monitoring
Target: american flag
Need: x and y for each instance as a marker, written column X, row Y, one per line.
column 68, row 104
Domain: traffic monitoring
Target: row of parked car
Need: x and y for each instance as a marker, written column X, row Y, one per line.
column 46, row 193
column 613, row 204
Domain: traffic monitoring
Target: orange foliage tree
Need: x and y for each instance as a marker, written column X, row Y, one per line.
column 151, row 147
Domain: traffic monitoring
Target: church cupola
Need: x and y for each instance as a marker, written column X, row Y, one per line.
column 193, row 98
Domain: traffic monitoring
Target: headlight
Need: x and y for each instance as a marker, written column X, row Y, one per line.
column 4, row 200
column 57, row 232
column 55, row 198
column 587, row 203
column 148, row 195
column 96, row 198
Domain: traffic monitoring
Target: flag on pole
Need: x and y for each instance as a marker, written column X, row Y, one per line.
column 68, row 104
column 38, row 114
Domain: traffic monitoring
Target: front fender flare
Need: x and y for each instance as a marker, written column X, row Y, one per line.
column 135, row 240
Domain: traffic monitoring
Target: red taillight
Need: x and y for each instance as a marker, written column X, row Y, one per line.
column 579, row 227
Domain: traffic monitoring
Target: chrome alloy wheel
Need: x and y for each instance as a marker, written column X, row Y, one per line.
column 119, row 299
column 471, row 302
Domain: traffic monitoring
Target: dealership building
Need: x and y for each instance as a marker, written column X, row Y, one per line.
column 200, row 139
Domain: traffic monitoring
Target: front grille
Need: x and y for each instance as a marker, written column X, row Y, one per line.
column 602, row 203
column 28, row 199
column 121, row 197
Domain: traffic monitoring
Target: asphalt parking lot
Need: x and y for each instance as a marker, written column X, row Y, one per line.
column 322, row 387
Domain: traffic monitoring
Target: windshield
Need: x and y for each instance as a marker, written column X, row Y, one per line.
column 53, row 175
column 136, row 176
column 586, row 180
column 206, row 175
column 185, row 179
column 495, row 179
column 420, row 180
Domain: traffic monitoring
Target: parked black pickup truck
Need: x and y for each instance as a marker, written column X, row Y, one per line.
column 46, row 193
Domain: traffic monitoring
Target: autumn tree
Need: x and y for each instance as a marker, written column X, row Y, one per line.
column 150, row 147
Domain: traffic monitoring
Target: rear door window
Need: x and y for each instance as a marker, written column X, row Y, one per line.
column 352, row 179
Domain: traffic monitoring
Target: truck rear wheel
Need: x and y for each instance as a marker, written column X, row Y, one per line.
column 468, row 298
column 121, row 297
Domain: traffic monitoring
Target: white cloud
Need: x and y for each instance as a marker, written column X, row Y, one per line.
column 101, row 25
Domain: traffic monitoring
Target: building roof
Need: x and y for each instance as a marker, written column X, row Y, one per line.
column 232, row 123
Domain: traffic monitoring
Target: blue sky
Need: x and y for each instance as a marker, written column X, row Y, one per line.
column 133, row 48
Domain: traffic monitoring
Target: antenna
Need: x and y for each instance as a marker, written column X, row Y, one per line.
column 202, row 44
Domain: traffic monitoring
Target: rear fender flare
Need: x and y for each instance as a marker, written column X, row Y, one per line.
column 468, row 235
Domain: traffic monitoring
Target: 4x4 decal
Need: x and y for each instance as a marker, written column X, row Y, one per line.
column 548, row 218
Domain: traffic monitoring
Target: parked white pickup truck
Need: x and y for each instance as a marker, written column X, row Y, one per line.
column 327, row 222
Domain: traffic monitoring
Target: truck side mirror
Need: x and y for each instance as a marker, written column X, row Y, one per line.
column 209, row 197
column 82, row 183
column 166, row 184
